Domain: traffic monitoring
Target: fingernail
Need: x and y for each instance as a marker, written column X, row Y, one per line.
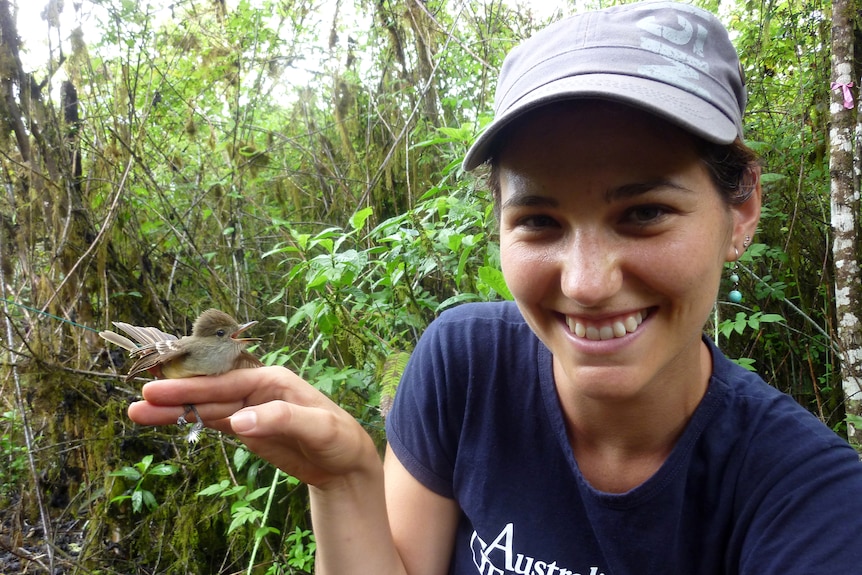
column 243, row 421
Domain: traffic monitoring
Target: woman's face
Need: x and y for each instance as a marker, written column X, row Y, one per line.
column 613, row 239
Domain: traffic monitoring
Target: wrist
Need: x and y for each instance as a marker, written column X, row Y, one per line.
column 365, row 472
column 351, row 524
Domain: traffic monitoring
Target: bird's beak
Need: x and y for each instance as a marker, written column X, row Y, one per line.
column 241, row 329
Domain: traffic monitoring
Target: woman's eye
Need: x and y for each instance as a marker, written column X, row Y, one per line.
column 646, row 214
column 536, row 222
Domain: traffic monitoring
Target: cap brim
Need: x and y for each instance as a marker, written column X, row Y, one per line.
column 685, row 109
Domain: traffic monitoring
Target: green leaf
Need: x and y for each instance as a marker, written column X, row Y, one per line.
column 235, row 524
column 455, row 300
column 740, row 322
column 149, row 499
column 262, row 532
column 357, row 220
column 242, row 515
column 454, row 241
column 137, row 500
column 462, row 262
column 746, row 362
column 308, row 311
column 259, row 492
column 144, row 463
column 493, row 278
column 129, row 473
column 327, row 244
column 301, row 239
column 234, row 490
column 214, row 489
column 854, row 420
column 163, row 469
column 240, row 458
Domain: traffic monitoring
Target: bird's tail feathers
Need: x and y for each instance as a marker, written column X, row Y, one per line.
column 144, row 335
column 119, row 340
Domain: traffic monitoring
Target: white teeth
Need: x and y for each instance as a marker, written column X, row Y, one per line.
column 618, row 328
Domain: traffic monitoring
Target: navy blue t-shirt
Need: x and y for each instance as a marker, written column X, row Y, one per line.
column 756, row 485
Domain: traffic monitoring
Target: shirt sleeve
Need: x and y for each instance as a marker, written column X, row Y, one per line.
column 805, row 512
column 423, row 426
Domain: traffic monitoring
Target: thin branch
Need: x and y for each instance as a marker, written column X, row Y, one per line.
column 25, row 424
column 407, row 123
column 112, row 212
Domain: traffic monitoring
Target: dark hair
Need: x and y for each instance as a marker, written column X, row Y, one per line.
column 732, row 168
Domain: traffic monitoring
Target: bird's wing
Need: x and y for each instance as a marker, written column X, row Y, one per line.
column 144, row 335
column 152, row 356
column 246, row 359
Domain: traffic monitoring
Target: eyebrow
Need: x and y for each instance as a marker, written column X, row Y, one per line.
column 627, row 191
column 522, row 199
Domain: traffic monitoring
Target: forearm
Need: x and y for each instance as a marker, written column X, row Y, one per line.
column 351, row 527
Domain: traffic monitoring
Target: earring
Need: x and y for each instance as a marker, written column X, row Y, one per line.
column 735, row 295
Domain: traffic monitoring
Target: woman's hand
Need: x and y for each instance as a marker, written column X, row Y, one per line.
column 279, row 416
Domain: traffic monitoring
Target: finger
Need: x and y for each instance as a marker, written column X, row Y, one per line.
column 226, row 387
column 279, row 418
column 250, row 386
column 214, row 415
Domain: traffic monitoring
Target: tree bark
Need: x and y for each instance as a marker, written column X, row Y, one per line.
column 845, row 209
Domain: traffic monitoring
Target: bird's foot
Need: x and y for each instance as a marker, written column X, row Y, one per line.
column 195, row 432
column 181, row 420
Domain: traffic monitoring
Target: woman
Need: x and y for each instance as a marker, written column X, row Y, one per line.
column 589, row 428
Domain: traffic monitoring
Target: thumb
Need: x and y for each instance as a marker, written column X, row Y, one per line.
column 244, row 422
column 313, row 444
column 270, row 419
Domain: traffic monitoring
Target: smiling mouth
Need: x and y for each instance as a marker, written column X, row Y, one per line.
column 599, row 331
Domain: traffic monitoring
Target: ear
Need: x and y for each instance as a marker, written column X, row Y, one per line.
column 747, row 214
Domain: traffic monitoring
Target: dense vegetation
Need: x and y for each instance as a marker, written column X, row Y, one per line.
column 302, row 168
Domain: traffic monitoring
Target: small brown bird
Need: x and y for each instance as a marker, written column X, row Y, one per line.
column 212, row 348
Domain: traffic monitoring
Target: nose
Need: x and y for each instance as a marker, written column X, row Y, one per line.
column 591, row 268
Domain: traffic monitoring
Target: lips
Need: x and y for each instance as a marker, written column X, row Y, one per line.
column 607, row 329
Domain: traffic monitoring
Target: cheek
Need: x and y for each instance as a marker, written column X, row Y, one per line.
column 528, row 272
column 681, row 271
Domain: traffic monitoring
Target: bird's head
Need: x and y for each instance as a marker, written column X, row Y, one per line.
column 216, row 323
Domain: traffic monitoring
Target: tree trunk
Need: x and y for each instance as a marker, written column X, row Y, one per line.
column 845, row 210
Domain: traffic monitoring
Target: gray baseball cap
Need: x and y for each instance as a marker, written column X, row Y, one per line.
column 667, row 58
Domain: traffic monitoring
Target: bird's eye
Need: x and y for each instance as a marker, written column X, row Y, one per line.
column 220, row 333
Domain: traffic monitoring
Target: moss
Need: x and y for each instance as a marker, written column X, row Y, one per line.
column 83, row 434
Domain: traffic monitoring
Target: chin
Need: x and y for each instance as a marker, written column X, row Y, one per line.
column 611, row 383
